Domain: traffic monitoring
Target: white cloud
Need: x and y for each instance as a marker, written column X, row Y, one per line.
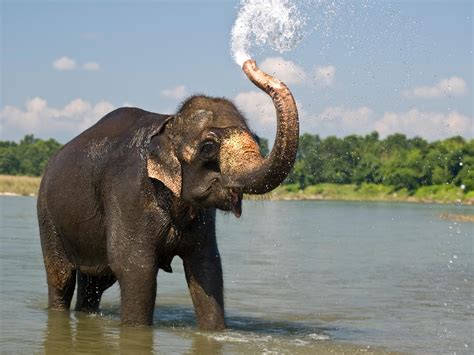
column 290, row 73
column 91, row 66
column 451, row 87
column 259, row 110
column 429, row 125
column 338, row 121
column 64, row 63
column 324, row 76
column 285, row 70
column 345, row 121
column 177, row 92
column 43, row 120
column 260, row 113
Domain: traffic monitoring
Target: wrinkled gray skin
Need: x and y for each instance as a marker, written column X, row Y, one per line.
column 120, row 200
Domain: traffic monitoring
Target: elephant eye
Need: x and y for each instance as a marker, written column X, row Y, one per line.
column 209, row 149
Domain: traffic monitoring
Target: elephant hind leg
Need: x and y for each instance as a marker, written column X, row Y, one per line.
column 59, row 297
column 60, row 272
column 90, row 289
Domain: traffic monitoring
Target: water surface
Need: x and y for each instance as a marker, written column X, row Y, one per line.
column 300, row 277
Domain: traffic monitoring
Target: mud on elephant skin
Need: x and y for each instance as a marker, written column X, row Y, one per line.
column 120, row 200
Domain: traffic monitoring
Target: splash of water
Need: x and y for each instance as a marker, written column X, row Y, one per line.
column 277, row 23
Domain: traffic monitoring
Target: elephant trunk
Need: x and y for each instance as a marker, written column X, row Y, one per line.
column 267, row 173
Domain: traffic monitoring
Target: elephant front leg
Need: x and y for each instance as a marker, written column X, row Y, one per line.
column 135, row 267
column 137, row 295
column 204, row 276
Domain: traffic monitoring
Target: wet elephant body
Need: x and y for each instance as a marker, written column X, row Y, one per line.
column 120, row 200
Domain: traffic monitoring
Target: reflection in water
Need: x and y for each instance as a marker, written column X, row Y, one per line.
column 58, row 334
column 78, row 332
column 136, row 340
column 82, row 333
column 203, row 344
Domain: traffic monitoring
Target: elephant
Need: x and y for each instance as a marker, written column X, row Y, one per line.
column 123, row 198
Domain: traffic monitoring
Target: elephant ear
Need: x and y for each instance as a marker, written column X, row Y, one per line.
column 162, row 162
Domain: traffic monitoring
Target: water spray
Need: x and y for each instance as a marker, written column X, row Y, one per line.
column 277, row 23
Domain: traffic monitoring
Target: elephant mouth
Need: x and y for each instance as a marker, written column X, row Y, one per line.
column 225, row 198
column 236, row 202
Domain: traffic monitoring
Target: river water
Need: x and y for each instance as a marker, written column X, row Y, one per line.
column 300, row 277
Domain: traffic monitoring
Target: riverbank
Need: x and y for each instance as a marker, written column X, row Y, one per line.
column 373, row 192
column 28, row 186
column 19, row 185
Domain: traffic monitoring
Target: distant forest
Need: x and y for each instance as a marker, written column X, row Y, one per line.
column 29, row 157
column 395, row 161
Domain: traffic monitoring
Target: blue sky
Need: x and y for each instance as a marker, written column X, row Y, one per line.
column 403, row 66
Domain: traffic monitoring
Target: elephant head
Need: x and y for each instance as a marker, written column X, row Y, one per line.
column 207, row 155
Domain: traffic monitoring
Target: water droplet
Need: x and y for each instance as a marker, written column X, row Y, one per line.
column 277, row 23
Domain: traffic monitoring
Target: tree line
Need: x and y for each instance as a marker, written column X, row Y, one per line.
column 395, row 161
column 29, row 157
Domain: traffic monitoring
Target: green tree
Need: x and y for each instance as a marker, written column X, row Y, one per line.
column 395, row 161
column 9, row 161
column 29, row 157
column 368, row 170
column 308, row 166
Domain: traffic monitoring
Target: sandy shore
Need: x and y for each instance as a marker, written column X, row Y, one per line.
column 439, row 194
